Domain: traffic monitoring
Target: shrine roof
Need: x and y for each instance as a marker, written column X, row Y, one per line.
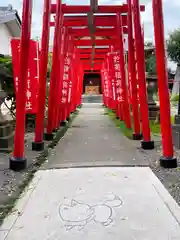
column 11, row 19
column 7, row 14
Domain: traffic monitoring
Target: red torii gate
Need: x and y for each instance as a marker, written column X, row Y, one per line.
column 108, row 35
column 82, row 21
column 73, row 47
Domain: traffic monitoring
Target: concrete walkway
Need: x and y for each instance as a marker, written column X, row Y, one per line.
column 69, row 201
column 93, row 140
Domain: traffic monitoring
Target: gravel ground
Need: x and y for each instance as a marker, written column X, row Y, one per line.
column 169, row 177
column 12, row 183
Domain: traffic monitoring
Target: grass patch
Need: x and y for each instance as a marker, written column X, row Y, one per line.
column 172, row 119
column 155, row 127
column 120, row 124
column 127, row 132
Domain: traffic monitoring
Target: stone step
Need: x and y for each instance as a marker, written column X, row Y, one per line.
column 92, row 98
column 6, row 150
column 5, row 130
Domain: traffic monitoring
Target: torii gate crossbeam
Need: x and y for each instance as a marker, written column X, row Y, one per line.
column 85, row 9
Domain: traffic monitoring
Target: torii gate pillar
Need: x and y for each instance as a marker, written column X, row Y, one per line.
column 132, row 76
column 54, row 74
column 38, row 143
column 167, row 160
column 18, row 160
column 139, row 43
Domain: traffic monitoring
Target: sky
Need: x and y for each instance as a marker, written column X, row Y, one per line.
column 171, row 10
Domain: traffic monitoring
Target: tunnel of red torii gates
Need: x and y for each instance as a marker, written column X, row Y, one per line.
column 91, row 39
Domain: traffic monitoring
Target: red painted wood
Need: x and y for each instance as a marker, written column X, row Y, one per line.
column 166, row 129
column 140, row 59
column 21, row 98
column 39, row 130
column 97, row 62
column 120, row 43
column 98, row 20
column 99, row 32
column 97, row 50
column 132, row 72
column 54, row 71
column 88, row 67
column 101, row 9
column 97, row 42
column 96, row 56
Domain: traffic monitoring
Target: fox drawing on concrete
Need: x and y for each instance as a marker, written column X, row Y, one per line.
column 79, row 214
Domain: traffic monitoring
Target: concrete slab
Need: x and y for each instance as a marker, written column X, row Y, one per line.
column 3, row 235
column 94, row 140
column 97, row 203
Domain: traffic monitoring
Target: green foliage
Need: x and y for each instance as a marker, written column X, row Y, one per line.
column 155, row 127
column 6, row 76
column 175, row 98
column 150, row 59
column 7, row 62
column 148, row 44
column 172, row 119
column 6, row 72
column 7, row 82
column 151, row 65
column 173, row 46
column 155, row 97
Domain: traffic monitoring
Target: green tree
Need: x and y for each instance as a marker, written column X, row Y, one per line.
column 173, row 46
column 150, row 58
column 6, row 73
column 173, row 50
column 151, row 65
column 7, row 82
column 148, row 44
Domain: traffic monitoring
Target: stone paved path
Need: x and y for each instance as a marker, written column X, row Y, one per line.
column 69, row 201
column 93, row 140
